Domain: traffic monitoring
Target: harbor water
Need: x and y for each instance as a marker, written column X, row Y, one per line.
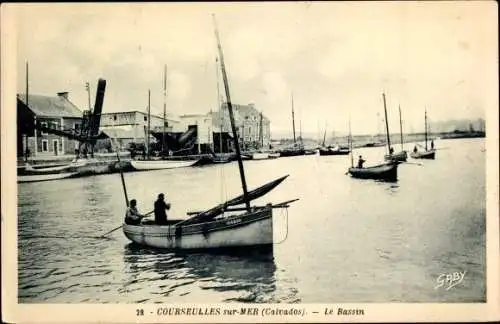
column 345, row 240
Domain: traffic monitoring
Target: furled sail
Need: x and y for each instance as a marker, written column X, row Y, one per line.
column 217, row 210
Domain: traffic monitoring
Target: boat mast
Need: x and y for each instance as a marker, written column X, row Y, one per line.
column 219, row 102
column 27, row 105
column 401, row 128
column 425, row 129
column 231, row 118
column 261, row 134
column 293, row 121
column 149, row 124
column 387, row 126
column 164, row 108
column 350, row 142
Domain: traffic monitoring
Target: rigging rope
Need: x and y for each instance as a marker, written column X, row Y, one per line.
column 286, row 233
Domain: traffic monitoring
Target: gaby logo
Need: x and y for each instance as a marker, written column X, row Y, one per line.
column 449, row 280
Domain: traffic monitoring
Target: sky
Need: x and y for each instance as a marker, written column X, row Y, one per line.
column 335, row 58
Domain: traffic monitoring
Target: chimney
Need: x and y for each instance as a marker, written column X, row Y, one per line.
column 63, row 95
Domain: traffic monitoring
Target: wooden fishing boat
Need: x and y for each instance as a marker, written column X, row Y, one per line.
column 323, row 151
column 399, row 156
column 45, row 177
column 211, row 229
column 297, row 148
column 386, row 171
column 427, row 154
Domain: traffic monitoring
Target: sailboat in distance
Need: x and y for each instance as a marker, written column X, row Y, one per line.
column 401, row 156
column 247, row 226
column 427, row 154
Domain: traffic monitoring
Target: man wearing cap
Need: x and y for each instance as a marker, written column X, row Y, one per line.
column 160, row 210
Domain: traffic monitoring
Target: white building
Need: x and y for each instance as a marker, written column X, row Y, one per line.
column 133, row 124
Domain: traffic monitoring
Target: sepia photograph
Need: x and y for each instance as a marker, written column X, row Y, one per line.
column 250, row 161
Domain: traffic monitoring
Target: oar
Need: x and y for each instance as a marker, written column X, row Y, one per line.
column 102, row 236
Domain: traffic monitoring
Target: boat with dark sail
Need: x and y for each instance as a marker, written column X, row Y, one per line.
column 401, row 156
column 427, row 154
column 387, row 171
column 223, row 226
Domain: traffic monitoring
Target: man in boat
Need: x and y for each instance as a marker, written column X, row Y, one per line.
column 360, row 162
column 432, row 144
column 132, row 217
column 160, row 210
column 415, row 149
column 391, row 150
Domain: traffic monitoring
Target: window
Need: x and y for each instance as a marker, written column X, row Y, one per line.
column 115, row 117
column 45, row 146
column 145, row 118
column 44, row 124
column 76, row 126
column 54, row 125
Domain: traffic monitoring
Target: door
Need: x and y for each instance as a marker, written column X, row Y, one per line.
column 55, row 145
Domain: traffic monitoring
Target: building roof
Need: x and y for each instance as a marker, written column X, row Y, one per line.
column 56, row 106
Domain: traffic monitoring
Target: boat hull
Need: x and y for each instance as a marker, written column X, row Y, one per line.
column 398, row 157
column 431, row 155
column 45, row 177
column 387, row 172
column 325, row 152
column 160, row 164
column 250, row 229
column 260, row 156
column 288, row 153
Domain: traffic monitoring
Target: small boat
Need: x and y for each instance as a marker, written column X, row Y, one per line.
column 386, row 171
column 297, row 148
column 249, row 226
column 399, row 156
column 292, row 152
column 144, row 165
column 45, row 177
column 337, row 150
column 260, row 156
column 427, row 154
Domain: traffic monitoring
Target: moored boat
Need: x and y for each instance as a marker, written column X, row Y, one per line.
column 260, row 156
column 429, row 154
column 45, row 177
column 144, row 165
column 323, row 151
column 399, row 156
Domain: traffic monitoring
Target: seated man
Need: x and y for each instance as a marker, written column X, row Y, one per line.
column 132, row 217
column 160, row 207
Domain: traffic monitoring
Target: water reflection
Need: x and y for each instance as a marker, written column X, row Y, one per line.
column 248, row 277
